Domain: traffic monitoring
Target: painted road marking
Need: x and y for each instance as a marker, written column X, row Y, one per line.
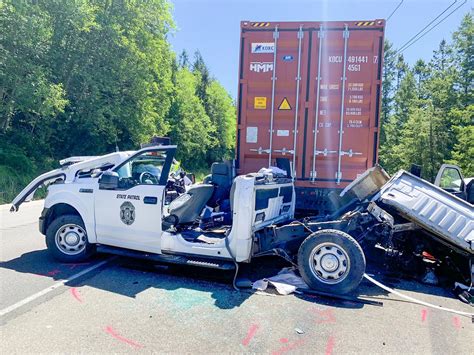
column 75, row 294
column 117, row 336
column 250, row 334
column 47, row 290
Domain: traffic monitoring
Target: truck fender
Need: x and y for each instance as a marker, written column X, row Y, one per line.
column 71, row 199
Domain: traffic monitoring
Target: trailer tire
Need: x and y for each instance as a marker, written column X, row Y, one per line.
column 66, row 239
column 331, row 261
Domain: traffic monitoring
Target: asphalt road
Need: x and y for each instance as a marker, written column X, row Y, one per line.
column 126, row 306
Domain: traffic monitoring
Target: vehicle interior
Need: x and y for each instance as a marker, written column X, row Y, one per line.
column 204, row 212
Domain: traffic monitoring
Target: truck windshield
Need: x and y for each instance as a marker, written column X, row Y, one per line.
column 142, row 169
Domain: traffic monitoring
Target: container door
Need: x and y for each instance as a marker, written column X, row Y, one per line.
column 343, row 119
column 288, row 124
column 255, row 101
column 271, row 97
column 326, row 95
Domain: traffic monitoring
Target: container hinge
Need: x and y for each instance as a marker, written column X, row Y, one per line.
column 350, row 153
column 276, row 34
column 321, row 32
column 260, row 150
column 345, row 34
column 284, row 151
column 324, row 152
column 338, row 177
column 300, row 32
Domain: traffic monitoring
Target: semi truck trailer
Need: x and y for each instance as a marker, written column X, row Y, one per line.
column 310, row 92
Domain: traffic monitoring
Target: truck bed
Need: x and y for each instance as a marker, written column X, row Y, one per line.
column 432, row 208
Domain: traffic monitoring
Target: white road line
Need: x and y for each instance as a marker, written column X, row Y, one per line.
column 51, row 288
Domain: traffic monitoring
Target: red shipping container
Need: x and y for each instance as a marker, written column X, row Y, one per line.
column 310, row 92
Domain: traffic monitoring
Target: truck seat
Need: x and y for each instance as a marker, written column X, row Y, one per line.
column 189, row 205
column 221, row 178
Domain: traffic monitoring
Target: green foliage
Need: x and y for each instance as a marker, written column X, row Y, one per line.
column 191, row 127
column 221, row 111
column 427, row 110
column 78, row 77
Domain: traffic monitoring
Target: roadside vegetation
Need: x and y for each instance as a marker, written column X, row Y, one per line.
column 428, row 109
column 84, row 77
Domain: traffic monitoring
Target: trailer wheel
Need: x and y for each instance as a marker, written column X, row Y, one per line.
column 331, row 261
column 66, row 239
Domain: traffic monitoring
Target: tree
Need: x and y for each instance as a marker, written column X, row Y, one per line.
column 223, row 117
column 389, row 74
column 463, row 52
column 183, row 59
column 404, row 102
column 200, row 69
column 191, row 127
column 28, row 92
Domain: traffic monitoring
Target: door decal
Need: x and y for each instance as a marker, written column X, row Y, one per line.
column 127, row 213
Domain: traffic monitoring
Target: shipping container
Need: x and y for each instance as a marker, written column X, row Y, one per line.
column 310, row 92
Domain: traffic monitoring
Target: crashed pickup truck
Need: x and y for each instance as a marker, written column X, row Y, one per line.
column 118, row 203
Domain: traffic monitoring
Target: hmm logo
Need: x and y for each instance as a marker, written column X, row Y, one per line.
column 263, row 47
column 261, row 67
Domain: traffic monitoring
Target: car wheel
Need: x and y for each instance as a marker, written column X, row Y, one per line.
column 331, row 261
column 66, row 239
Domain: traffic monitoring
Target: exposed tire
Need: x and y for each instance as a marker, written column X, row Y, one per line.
column 66, row 239
column 331, row 261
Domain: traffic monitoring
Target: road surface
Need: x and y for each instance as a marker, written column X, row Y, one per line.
column 123, row 306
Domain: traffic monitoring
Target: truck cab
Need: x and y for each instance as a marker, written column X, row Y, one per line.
column 451, row 179
column 117, row 203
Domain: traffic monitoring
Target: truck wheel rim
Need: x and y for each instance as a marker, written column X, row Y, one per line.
column 329, row 263
column 71, row 239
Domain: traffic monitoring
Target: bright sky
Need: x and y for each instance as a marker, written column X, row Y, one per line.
column 213, row 26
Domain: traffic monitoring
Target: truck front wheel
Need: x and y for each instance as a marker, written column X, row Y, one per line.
column 66, row 239
column 331, row 261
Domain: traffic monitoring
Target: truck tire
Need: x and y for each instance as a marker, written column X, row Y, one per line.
column 331, row 261
column 66, row 239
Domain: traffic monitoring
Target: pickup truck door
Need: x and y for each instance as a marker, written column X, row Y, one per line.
column 450, row 178
column 129, row 215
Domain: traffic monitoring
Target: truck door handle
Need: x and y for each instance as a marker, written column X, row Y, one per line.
column 150, row 200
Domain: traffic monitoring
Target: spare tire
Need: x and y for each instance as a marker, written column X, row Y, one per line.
column 331, row 261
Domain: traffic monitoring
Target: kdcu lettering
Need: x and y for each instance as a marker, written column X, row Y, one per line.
column 261, row 67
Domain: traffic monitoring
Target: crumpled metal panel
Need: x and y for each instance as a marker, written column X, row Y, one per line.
column 432, row 208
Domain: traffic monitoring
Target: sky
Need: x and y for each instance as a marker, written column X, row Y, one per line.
column 213, row 26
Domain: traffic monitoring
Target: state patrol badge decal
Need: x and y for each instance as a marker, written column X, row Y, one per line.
column 127, row 213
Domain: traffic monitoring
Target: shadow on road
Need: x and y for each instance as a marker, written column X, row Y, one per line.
column 127, row 282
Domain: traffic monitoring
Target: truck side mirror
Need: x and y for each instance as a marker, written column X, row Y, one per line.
column 109, row 180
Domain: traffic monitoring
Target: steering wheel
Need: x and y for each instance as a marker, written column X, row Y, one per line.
column 147, row 176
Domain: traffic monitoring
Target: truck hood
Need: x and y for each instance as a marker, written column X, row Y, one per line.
column 68, row 173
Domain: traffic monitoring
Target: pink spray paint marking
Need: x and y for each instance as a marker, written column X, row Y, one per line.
column 330, row 345
column 284, row 340
column 117, row 336
column 424, row 314
column 75, row 294
column 457, row 322
column 289, row 347
column 53, row 272
column 324, row 315
column 250, row 334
